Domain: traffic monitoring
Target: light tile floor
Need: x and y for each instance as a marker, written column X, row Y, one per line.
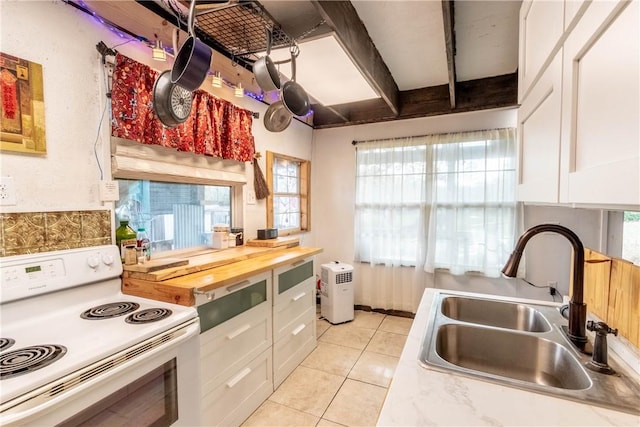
column 344, row 381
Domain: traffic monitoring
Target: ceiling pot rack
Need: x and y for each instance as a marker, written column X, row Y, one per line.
column 218, row 27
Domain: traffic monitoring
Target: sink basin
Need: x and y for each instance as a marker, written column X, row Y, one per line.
column 520, row 345
column 519, row 357
column 495, row 313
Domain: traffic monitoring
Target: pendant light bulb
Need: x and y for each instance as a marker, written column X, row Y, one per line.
column 216, row 80
column 158, row 53
column 239, row 92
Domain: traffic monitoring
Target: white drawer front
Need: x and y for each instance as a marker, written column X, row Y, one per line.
column 286, row 279
column 240, row 393
column 286, row 312
column 234, row 343
column 292, row 349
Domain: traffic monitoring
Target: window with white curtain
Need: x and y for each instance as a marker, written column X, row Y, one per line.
column 438, row 201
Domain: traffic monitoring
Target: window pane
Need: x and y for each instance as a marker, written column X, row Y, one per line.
column 175, row 216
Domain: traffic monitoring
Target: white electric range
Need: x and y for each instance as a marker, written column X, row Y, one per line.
column 74, row 350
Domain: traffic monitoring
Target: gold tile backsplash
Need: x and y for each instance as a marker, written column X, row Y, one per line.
column 32, row 232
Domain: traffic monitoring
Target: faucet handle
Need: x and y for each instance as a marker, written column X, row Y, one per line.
column 601, row 328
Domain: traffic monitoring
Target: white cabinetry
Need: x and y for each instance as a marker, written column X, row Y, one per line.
column 541, row 30
column 235, row 350
column 601, row 114
column 579, row 140
column 294, row 313
column 539, row 137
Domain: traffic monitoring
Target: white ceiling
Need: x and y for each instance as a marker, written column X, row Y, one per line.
column 409, row 35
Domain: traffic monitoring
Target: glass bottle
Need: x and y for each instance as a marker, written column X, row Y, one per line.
column 125, row 237
column 144, row 243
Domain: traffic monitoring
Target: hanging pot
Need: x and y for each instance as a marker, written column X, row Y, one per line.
column 265, row 71
column 171, row 102
column 193, row 60
column 277, row 118
column 294, row 97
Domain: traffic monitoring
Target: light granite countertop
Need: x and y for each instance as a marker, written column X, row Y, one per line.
column 420, row 396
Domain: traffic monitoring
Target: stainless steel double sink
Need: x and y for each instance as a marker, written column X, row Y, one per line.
column 520, row 345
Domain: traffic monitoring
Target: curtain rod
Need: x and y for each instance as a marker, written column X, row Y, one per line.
column 356, row 142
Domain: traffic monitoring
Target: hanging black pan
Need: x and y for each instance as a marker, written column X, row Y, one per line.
column 171, row 102
column 265, row 71
column 193, row 60
column 293, row 95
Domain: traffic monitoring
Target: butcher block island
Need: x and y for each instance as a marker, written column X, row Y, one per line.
column 257, row 310
column 208, row 271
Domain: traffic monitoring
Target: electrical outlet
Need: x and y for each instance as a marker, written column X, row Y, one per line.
column 7, row 191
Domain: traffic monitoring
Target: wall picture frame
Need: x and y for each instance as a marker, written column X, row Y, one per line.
column 22, row 125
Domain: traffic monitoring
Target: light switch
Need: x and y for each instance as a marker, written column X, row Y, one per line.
column 251, row 197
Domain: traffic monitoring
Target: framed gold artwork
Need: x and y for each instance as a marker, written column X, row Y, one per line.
column 21, row 106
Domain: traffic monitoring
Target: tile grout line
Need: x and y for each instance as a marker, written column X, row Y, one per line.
column 350, row 369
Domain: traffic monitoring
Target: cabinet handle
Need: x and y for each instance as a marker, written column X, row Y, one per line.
column 238, row 286
column 297, row 297
column 238, row 331
column 235, row 380
column 297, row 263
column 299, row 329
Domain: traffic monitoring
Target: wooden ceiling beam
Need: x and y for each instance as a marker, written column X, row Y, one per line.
column 450, row 46
column 342, row 17
column 481, row 94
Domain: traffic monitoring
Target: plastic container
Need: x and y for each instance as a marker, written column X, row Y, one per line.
column 125, row 237
column 144, row 243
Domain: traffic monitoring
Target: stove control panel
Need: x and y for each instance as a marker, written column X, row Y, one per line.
column 27, row 275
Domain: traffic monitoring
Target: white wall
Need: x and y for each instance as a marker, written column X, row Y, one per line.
column 63, row 40
column 333, row 190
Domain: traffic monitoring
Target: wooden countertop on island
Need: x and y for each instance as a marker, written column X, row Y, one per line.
column 210, row 271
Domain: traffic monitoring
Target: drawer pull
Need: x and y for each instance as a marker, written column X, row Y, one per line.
column 238, row 331
column 238, row 286
column 297, row 297
column 235, row 380
column 299, row 329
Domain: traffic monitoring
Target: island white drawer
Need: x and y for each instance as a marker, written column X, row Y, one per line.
column 287, row 278
column 234, row 343
column 239, row 394
column 294, row 347
column 286, row 312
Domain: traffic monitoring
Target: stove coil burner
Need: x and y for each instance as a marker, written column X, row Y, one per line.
column 106, row 311
column 5, row 343
column 29, row 359
column 147, row 316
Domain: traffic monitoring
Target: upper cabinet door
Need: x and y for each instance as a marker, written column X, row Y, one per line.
column 539, row 137
column 600, row 158
column 541, row 31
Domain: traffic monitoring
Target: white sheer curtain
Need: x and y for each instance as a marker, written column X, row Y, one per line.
column 390, row 222
column 473, row 221
column 437, row 201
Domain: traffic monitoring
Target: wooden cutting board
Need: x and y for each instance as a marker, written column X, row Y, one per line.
column 156, row 264
column 287, row 242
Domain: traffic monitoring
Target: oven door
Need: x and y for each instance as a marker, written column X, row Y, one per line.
column 154, row 383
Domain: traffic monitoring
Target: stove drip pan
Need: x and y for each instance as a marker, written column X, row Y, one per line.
column 147, row 316
column 29, row 359
column 107, row 311
column 5, row 343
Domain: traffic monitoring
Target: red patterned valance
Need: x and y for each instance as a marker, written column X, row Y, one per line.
column 215, row 127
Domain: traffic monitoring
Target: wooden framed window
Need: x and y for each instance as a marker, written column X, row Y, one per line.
column 289, row 202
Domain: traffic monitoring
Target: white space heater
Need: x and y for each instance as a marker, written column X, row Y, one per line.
column 336, row 292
